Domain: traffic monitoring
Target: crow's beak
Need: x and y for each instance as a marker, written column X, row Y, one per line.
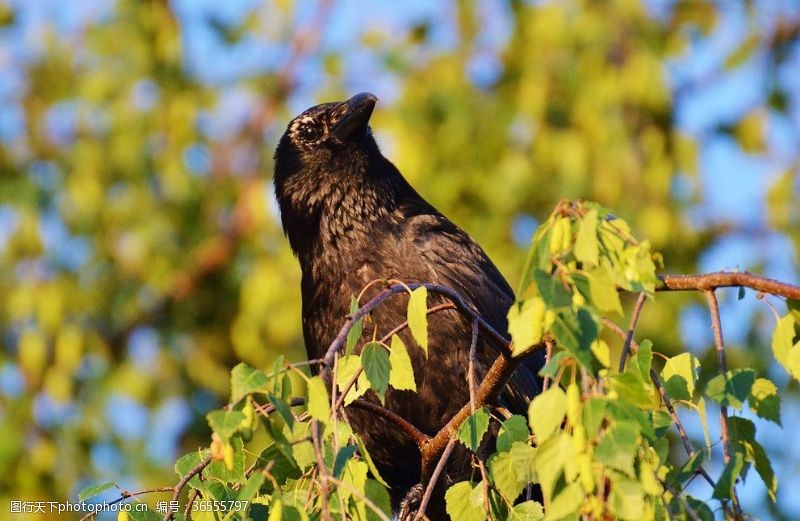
column 357, row 111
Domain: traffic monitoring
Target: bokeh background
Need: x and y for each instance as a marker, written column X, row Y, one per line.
column 141, row 254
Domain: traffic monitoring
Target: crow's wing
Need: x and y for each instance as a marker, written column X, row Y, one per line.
column 453, row 259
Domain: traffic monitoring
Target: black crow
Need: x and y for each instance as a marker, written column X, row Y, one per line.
column 351, row 218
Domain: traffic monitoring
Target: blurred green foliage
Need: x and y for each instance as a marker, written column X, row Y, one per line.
column 142, row 257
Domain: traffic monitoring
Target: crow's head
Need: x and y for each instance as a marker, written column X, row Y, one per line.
column 326, row 138
column 330, row 177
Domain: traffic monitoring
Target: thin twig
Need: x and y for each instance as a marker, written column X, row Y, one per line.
column 426, row 497
column 419, row 437
column 549, row 346
column 687, row 444
column 176, row 494
column 722, row 365
column 471, row 367
column 486, row 483
column 637, row 309
column 187, row 512
column 267, row 409
column 127, row 495
column 716, row 326
column 322, row 469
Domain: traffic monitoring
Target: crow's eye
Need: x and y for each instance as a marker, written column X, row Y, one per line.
column 309, row 132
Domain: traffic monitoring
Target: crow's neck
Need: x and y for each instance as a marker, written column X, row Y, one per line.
column 336, row 218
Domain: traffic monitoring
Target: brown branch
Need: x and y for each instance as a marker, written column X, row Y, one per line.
column 488, row 392
column 127, row 495
column 419, row 437
column 471, row 366
column 629, row 336
column 187, row 512
column 723, row 279
column 549, row 345
column 322, row 470
column 426, row 497
column 716, row 326
column 197, row 469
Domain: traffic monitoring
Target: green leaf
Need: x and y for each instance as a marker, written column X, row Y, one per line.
column 587, row 246
column 546, row 412
column 302, row 448
column 643, row 359
column 504, row 477
column 511, row 471
column 617, row 448
column 401, row 375
column 282, row 407
column 680, row 376
column 527, row 511
column 526, row 324
column 764, row 400
column 226, row 423
column 513, row 429
column 346, row 368
column 379, row 496
column 377, row 367
column 250, row 489
column 552, row 290
column 594, row 412
column 189, row 461
column 418, row 316
column 627, row 499
column 742, row 434
column 143, row 515
column 354, row 335
column 471, row 432
column 631, row 388
column 787, row 354
column 764, row 469
column 246, row 380
column 576, row 332
column 218, row 471
column 567, row 502
column 92, row 491
column 550, row 458
column 319, row 404
column 731, row 388
column 604, row 291
column 726, row 482
column 342, row 457
column 465, row 502
column 362, row 450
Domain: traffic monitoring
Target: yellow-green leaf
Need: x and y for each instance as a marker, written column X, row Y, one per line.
column 319, row 405
column 526, row 324
column 546, row 413
column 418, row 316
column 401, row 375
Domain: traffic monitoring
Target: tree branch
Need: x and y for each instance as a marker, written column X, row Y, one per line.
column 184, row 480
column 419, row 437
column 434, row 478
column 724, row 279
